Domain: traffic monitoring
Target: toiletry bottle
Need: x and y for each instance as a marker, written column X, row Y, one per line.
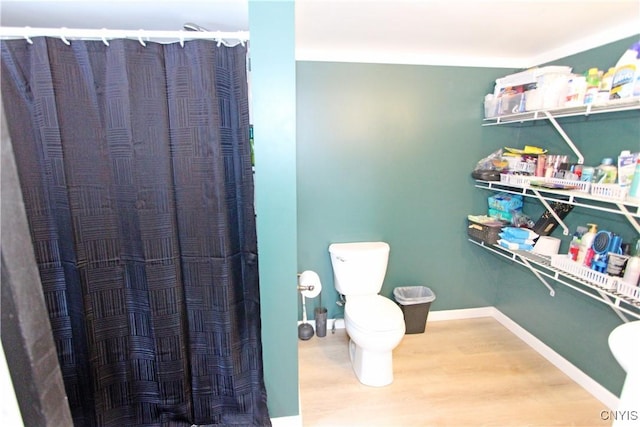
column 627, row 72
column 585, row 253
column 626, row 167
column 634, row 190
column 577, row 88
column 574, row 247
column 605, row 85
column 606, row 172
column 632, row 271
column 593, row 85
column 587, row 173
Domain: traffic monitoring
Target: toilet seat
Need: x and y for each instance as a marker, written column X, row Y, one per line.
column 374, row 313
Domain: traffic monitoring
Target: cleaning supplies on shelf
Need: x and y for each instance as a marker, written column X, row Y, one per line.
column 574, row 247
column 606, row 172
column 576, row 89
column 632, row 271
column 634, row 189
column 626, row 80
column 605, row 85
column 585, row 254
column 592, row 80
column 626, row 167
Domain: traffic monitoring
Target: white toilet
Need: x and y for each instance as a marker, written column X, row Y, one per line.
column 374, row 323
column 624, row 342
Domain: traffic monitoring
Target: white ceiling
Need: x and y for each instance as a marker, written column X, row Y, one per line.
column 500, row 33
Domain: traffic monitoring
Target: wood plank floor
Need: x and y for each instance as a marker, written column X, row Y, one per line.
column 471, row 372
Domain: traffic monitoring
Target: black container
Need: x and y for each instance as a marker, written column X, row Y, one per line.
column 414, row 302
column 487, row 233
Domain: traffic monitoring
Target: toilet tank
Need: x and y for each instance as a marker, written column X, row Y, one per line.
column 359, row 268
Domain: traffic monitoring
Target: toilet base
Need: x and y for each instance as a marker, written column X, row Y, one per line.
column 372, row 368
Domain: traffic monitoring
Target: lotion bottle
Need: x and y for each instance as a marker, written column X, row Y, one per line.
column 585, row 245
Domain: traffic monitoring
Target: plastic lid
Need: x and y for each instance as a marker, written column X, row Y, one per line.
column 607, row 161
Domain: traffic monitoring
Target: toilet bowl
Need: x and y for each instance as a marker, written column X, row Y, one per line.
column 375, row 326
column 374, row 323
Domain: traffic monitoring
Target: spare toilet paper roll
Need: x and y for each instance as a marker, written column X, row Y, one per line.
column 307, row 279
column 547, row 246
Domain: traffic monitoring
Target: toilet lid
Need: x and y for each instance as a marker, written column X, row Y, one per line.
column 375, row 313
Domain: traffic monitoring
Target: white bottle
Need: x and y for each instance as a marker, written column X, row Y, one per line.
column 632, row 271
column 627, row 76
column 585, row 245
column 634, row 191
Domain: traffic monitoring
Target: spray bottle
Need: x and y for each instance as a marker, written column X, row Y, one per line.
column 585, row 253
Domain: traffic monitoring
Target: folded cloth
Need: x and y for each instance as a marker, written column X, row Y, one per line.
column 519, row 233
column 515, row 246
column 512, row 239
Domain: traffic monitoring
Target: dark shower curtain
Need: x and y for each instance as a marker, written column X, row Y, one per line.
column 135, row 168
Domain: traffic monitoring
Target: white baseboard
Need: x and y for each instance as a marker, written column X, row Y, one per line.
column 594, row 388
column 465, row 313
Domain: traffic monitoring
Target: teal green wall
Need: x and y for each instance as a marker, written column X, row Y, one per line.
column 384, row 152
column 273, row 100
column 572, row 324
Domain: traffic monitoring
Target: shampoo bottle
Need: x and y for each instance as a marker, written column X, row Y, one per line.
column 585, row 253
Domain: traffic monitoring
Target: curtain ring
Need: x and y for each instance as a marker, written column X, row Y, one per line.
column 63, row 38
column 27, row 38
column 104, row 38
column 140, row 38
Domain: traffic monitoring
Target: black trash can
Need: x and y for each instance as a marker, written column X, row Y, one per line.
column 415, row 302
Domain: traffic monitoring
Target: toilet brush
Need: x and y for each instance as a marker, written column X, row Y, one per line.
column 305, row 330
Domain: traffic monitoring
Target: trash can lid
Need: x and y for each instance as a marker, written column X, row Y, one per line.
column 409, row 295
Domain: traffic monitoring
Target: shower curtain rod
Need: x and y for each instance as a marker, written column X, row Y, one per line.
column 66, row 34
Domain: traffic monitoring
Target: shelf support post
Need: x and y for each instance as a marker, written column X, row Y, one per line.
column 565, row 136
column 552, row 292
